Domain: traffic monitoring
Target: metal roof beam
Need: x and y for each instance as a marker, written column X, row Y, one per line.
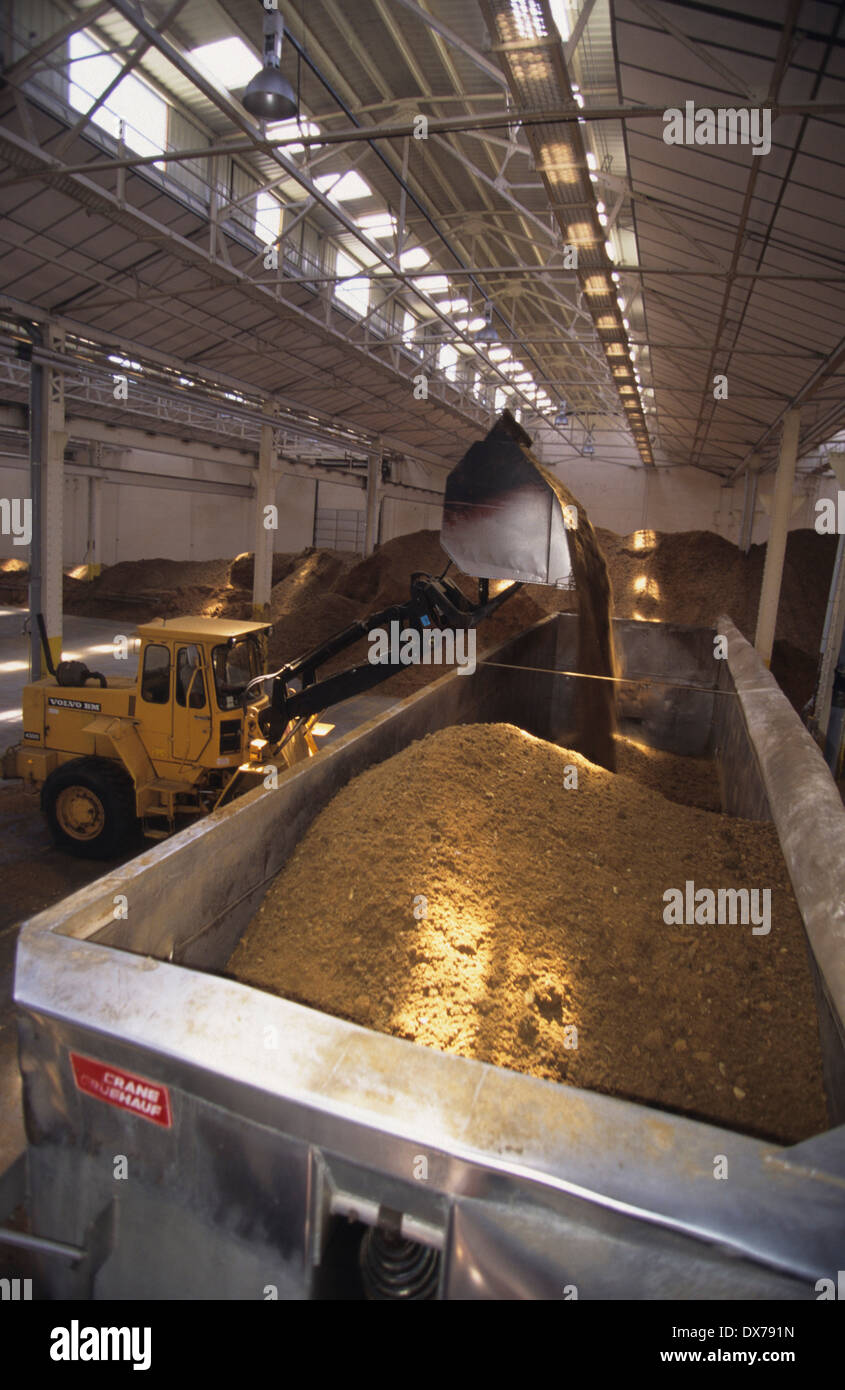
column 241, row 121
column 829, row 367
column 436, row 126
column 781, row 63
column 455, row 39
column 533, row 78
column 577, row 33
column 419, row 77
column 19, row 70
column 358, row 50
column 694, row 46
column 226, row 336
column 137, row 51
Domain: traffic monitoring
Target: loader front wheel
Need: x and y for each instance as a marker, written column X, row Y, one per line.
column 90, row 807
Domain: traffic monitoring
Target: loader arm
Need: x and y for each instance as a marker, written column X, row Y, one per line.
column 433, row 603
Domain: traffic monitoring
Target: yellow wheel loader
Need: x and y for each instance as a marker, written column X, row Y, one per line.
column 203, row 721
column 153, row 750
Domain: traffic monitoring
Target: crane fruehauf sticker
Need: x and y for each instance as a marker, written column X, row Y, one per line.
column 123, row 1089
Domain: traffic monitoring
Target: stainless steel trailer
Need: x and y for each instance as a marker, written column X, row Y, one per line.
column 191, row 1137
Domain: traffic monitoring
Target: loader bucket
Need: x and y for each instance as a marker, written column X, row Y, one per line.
column 507, row 517
column 503, row 517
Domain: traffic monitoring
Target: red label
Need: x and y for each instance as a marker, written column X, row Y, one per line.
column 123, row 1089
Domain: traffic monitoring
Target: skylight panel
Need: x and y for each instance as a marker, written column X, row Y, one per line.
column 344, row 188
column 285, row 130
column 432, row 284
column 377, row 224
column 228, row 61
column 142, row 111
column 353, row 291
column 268, row 218
column 414, row 259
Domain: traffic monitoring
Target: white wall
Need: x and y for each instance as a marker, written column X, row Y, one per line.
column 342, row 495
column 295, row 502
column 139, row 523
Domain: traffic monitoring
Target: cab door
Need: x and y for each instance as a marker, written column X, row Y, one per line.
column 154, row 708
column 191, row 708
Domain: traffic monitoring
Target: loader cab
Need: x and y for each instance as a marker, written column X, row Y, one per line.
column 191, row 676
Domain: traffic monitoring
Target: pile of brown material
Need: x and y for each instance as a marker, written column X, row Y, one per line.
column 305, row 610
column 683, row 577
column 687, row 781
column 543, row 912
column 313, row 622
column 162, row 576
column 312, row 573
column 134, row 591
column 14, row 585
column 242, row 570
column 694, row 576
column 688, row 577
column 385, row 576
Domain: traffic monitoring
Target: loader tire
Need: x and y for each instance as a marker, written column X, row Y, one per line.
column 90, row 808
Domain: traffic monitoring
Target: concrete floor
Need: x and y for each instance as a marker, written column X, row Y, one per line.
column 34, row 874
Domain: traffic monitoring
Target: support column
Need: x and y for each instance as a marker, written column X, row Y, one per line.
column 93, row 547
column 373, row 488
column 48, row 438
column 53, row 497
column 746, row 530
column 776, row 545
column 36, row 438
column 316, row 510
column 97, row 528
column 265, row 533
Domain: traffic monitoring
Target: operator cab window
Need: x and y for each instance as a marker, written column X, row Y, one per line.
column 234, row 665
column 190, row 686
column 155, row 682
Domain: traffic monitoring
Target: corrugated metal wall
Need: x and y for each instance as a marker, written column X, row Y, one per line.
column 31, row 21
column 243, row 183
column 193, row 175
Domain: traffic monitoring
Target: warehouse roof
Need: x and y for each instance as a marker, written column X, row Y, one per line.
column 721, row 261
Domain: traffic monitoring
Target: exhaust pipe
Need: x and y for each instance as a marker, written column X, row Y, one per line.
column 45, row 645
